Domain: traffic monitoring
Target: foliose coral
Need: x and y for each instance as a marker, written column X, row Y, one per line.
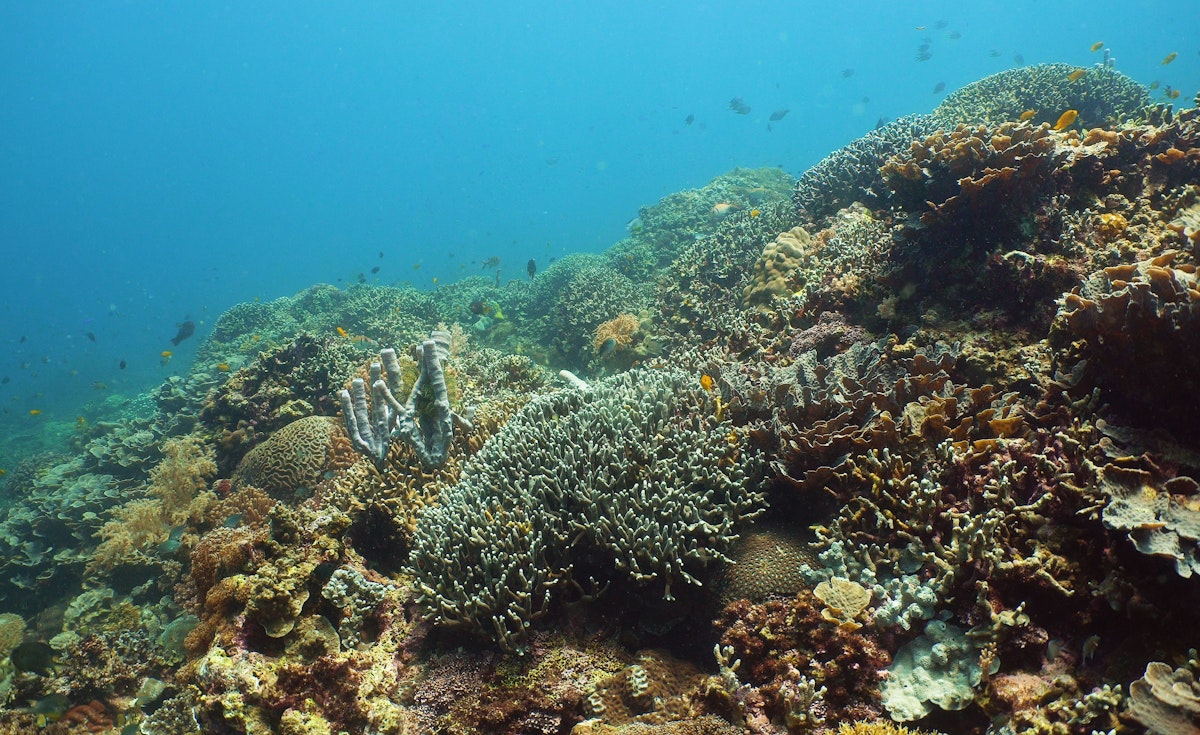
column 638, row 471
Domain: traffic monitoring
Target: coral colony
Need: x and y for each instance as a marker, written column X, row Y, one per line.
column 907, row 445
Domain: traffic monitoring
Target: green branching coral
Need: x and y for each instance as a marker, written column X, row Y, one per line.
column 638, row 475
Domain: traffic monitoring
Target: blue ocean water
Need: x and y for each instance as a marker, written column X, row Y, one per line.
column 160, row 162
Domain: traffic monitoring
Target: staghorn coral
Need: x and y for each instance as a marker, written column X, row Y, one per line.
column 656, row 489
column 1103, row 97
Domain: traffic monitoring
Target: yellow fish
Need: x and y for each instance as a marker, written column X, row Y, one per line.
column 1065, row 119
column 1170, row 57
column 755, row 212
column 166, row 353
column 1076, row 75
column 35, row 412
column 706, row 382
column 342, row 332
column 1097, row 45
column 1028, row 114
column 3, row 472
column 435, row 280
column 223, row 367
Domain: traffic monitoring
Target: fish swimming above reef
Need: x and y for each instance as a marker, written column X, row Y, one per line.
column 1065, row 119
column 737, row 105
column 186, row 329
column 689, row 119
column 492, row 262
column 531, row 268
column 779, row 114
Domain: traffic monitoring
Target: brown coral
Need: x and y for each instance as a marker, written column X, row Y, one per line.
column 620, row 329
column 294, row 458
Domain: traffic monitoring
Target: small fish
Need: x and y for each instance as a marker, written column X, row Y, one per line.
column 99, row 385
column 941, row 24
column 531, row 268
column 186, row 329
column 50, row 708
column 416, row 266
column 122, row 365
column 1065, row 119
column 954, row 35
column 1018, row 59
column 1170, row 57
column 994, row 53
column 922, row 28
column 492, row 262
column 924, row 55
column 24, row 339
column 847, row 73
column 1089, row 649
column 737, row 105
column 706, row 382
column 5, row 380
column 939, row 87
column 35, row 412
column 779, row 114
column 1154, row 85
column 606, row 348
column 223, row 367
column 375, row 270
column 381, row 254
column 90, row 336
column 881, row 122
column 1076, row 75
column 166, row 353
column 3, row 472
column 1096, row 46
column 755, row 212
column 1172, row 93
column 342, row 332
column 723, row 209
column 689, row 119
column 435, row 280
column 1028, row 114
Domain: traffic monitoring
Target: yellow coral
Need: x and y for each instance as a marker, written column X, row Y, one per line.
column 774, row 271
column 877, row 727
column 620, row 329
column 844, row 600
column 1111, row 225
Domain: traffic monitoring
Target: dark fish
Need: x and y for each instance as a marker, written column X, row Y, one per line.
column 123, row 365
column 689, row 119
column 33, row 656
column 90, row 336
column 847, row 73
column 607, row 348
column 941, row 24
column 881, row 122
column 362, row 277
column 5, row 380
column 531, row 268
column 924, row 55
column 779, row 114
column 186, row 329
column 381, row 254
column 24, row 339
column 492, row 262
column 375, row 269
column 737, row 105
column 1018, row 60
column 954, row 35
column 995, row 53
column 939, row 87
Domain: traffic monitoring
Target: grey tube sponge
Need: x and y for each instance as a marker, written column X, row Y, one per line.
column 425, row 422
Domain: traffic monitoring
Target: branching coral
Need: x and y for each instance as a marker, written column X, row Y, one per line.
column 638, row 471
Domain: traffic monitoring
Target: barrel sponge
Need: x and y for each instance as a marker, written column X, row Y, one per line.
column 294, row 457
column 637, row 476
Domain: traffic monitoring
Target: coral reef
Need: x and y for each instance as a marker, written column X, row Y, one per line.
column 296, row 458
column 639, row 471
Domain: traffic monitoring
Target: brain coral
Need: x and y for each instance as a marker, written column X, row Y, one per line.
column 295, row 457
column 636, row 478
column 1103, row 96
column 781, row 258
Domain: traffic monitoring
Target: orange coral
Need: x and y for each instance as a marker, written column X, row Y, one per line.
column 619, row 329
